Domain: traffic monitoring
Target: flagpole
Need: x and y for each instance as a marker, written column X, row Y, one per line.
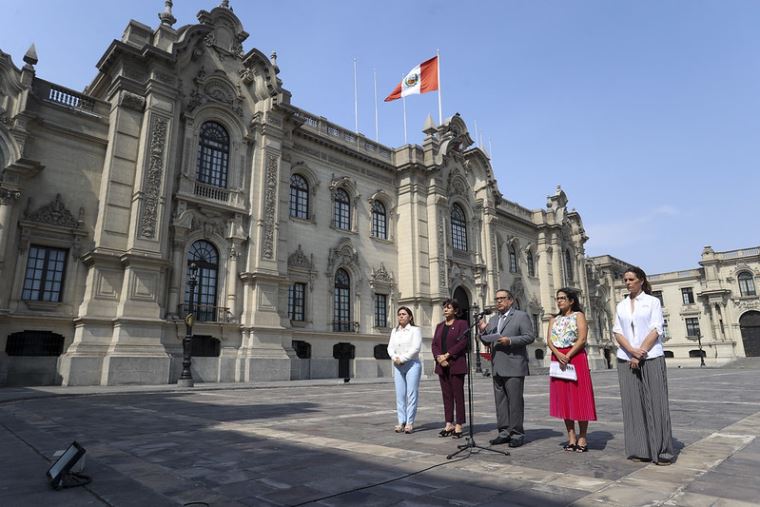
column 403, row 101
column 440, row 109
column 377, row 128
column 356, row 102
column 477, row 134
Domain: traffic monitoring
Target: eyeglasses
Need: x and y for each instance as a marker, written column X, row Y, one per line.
column 501, row 298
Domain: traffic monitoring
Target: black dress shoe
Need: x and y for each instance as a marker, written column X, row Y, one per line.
column 499, row 440
column 515, row 442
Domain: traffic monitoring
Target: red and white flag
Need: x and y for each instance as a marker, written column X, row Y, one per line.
column 421, row 79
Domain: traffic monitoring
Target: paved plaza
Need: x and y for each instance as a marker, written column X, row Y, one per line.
column 325, row 443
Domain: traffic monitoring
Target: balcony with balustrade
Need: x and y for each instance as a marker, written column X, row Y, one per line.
column 207, row 313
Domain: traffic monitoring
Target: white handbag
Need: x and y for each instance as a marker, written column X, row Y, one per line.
column 567, row 374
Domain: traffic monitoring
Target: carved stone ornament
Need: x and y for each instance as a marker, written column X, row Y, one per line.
column 153, row 178
column 441, row 249
column 132, row 101
column 270, row 203
column 298, row 259
column 342, row 255
column 8, row 196
column 380, row 277
column 54, row 213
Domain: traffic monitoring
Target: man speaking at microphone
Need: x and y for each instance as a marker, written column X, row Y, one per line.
column 508, row 332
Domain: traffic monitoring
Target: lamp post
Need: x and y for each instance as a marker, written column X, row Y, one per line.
column 186, row 378
column 701, row 352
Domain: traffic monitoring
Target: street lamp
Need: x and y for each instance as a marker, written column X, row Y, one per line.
column 701, row 352
column 186, row 378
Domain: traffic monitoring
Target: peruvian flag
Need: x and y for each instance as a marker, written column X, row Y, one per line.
column 421, row 79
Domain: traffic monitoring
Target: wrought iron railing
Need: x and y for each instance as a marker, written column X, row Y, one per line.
column 345, row 326
column 207, row 313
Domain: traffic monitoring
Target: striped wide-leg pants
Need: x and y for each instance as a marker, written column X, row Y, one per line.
column 646, row 413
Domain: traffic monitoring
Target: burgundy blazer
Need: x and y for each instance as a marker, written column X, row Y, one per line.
column 456, row 345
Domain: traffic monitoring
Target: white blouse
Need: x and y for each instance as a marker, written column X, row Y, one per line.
column 635, row 325
column 405, row 343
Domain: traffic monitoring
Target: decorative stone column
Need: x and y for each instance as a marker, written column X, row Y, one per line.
column 7, row 198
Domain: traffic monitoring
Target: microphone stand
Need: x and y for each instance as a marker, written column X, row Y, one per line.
column 470, row 444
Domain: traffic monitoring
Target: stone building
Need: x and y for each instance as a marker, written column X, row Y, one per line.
column 711, row 311
column 183, row 177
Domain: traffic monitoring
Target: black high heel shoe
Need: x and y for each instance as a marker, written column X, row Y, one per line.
column 445, row 433
column 457, row 434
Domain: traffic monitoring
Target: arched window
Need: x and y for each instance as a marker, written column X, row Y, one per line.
column 746, row 284
column 379, row 221
column 299, row 197
column 512, row 259
column 539, row 354
column 213, row 154
column 531, row 264
column 204, row 257
column 458, row 228
column 342, row 210
column 569, row 266
column 342, row 302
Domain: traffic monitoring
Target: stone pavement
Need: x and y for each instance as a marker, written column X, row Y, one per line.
column 323, row 443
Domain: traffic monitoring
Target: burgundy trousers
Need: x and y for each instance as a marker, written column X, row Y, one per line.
column 452, row 388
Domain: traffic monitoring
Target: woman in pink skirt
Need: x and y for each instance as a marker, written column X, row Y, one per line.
column 571, row 400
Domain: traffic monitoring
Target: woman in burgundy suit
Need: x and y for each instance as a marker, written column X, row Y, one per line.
column 449, row 345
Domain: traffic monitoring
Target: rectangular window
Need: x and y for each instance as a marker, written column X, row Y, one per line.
column 536, row 325
column 44, row 274
column 688, row 296
column 297, row 301
column 658, row 295
column 381, row 310
column 692, row 326
column 665, row 328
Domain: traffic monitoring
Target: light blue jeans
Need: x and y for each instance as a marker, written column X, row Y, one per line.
column 407, row 379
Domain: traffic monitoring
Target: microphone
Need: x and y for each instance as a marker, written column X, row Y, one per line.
column 487, row 311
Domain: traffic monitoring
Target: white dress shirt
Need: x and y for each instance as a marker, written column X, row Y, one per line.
column 635, row 325
column 405, row 343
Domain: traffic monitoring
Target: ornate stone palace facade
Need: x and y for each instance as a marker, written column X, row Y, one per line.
column 712, row 311
column 183, row 177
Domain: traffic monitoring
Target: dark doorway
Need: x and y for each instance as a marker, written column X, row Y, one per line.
column 344, row 353
column 608, row 358
column 750, row 327
column 464, row 303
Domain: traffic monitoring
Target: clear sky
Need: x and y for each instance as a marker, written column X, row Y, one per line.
column 647, row 112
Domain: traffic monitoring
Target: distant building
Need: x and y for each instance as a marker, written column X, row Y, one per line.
column 716, row 305
column 183, row 177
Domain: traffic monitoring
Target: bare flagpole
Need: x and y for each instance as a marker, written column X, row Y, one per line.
column 440, row 108
column 403, row 101
column 356, row 102
column 377, row 128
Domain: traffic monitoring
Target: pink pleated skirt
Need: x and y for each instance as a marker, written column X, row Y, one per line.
column 573, row 399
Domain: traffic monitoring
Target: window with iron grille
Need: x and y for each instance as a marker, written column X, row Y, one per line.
column 342, row 210
column 205, row 346
column 746, row 284
column 569, row 267
column 43, row 280
column 531, row 264
column 213, row 154
column 299, row 197
column 658, row 295
column 379, row 221
column 458, row 228
column 692, row 326
column 381, row 310
column 34, row 343
column 688, row 295
column 206, row 259
column 342, row 302
column 512, row 259
column 381, row 351
column 665, row 332
column 297, row 301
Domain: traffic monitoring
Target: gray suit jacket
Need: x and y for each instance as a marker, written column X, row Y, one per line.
column 510, row 360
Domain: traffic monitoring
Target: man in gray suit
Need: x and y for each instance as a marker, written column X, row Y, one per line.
column 508, row 332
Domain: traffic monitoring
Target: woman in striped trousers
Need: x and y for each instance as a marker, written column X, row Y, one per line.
column 642, row 373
